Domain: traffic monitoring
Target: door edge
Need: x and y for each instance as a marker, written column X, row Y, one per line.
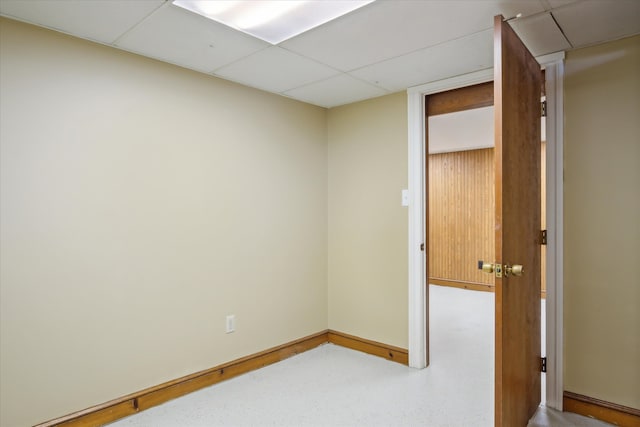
column 418, row 308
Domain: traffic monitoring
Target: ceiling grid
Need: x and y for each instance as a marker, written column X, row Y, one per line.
column 383, row 47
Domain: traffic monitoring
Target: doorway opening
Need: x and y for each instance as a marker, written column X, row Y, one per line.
column 553, row 66
column 460, row 219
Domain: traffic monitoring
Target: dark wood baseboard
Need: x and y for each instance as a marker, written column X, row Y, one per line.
column 128, row 405
column 139, row 401
column 613, row 413
column 470, row 285
column 389, row 352
column 463, row 285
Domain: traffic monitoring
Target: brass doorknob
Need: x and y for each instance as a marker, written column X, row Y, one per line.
column 486, row 267
column 515, row 269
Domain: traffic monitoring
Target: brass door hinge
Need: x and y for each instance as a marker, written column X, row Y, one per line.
column 543, row 237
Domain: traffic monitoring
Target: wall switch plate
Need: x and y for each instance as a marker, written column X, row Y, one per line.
column 231, row 323
column 405, row 197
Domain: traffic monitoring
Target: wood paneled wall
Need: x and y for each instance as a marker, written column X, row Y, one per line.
column 462, row 216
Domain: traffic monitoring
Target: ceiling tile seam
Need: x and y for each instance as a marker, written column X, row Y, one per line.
column 349, row 70
column 549, row 7
column 533, row 15
column 300, row 100
column 523, row 18
column 161, row 59
column 568, row 5
column 57, row 30
column 291, row 51
column 213, row 72
column 560, row 28
column 546, row 5
column 283, row 92
column 144, row 18
column 333, row 77
column 100, row 42
column 241, row 83
column 417, row 50
column 608, row 39
column 249, row 85
column 377, row 84
column 339, row 70
column 347, row 15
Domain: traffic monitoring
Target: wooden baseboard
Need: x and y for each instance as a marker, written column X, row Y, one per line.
column 470, row 285
column 389, row 352
column 613, row 413
column 463, row 285
column 128, row 405
column 133, row 403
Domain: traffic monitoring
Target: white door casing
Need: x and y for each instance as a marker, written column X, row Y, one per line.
column 418, row 304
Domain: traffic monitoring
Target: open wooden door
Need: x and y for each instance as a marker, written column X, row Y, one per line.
column 517, row 90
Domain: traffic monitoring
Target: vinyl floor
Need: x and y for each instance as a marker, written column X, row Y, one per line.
column 335, row 386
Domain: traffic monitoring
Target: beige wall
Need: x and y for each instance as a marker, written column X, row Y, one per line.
column 140, row 204
column 367, row 224
column 602, row 222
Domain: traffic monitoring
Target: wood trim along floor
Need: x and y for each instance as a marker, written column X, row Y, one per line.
column 613, row 413
column 470, row 285
column 131, row 404
column 462, row 285
column 389, row 352
column 128, row 405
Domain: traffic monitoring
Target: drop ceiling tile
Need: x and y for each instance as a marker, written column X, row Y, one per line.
column 175, row 35
column 275, row 70
column 511, row 8
column 387, row 29
column 554, row 4
column 594, row 21
column 461, row 56
column 335, row 91
column 540, row 34
column 100, row 20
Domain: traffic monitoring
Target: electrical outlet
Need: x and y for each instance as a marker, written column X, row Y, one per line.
column 231, row 323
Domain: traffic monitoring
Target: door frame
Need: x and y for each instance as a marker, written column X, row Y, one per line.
column 418, row 295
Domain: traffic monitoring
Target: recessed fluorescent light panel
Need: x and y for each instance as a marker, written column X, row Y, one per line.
column 272, row 21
